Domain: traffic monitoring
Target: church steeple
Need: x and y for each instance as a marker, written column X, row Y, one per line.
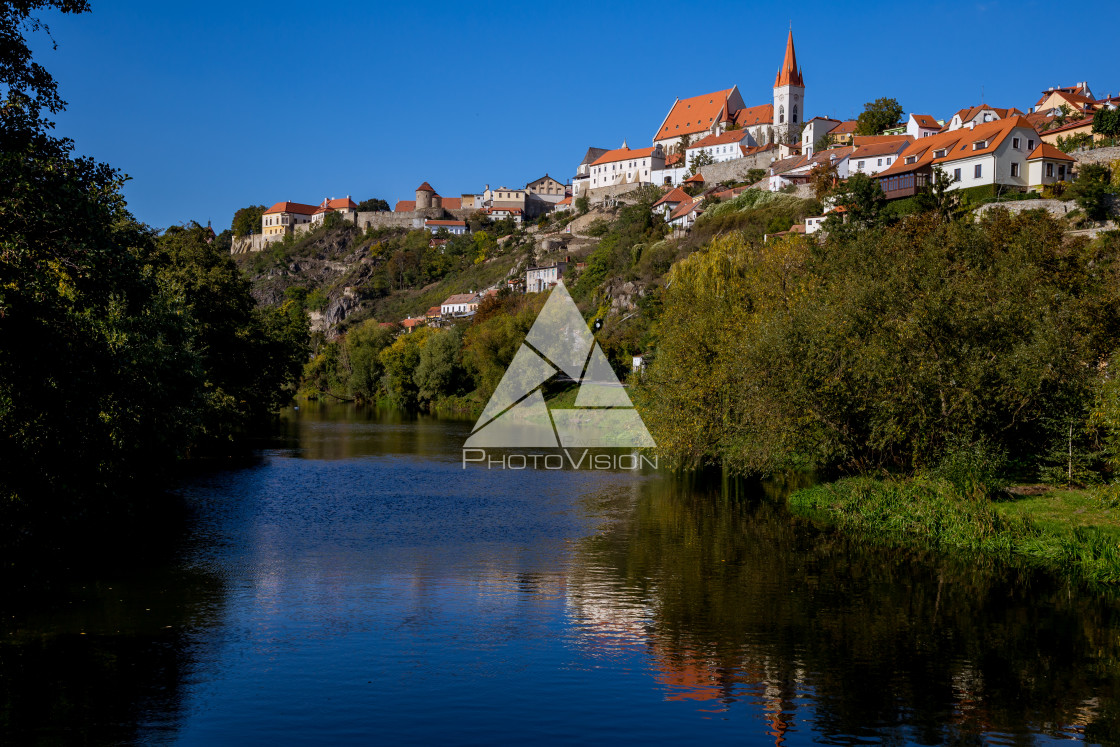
column 789, row 74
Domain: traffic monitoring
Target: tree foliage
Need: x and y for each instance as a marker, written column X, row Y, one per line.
column 247, row 220
column 878, row 115
column 373, row 205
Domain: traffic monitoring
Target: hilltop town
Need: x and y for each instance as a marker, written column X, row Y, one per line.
column 708, row 151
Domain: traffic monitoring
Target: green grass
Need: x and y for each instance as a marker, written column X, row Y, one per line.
column 1076, row 533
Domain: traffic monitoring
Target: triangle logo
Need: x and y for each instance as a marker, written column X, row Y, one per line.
column 559, row 341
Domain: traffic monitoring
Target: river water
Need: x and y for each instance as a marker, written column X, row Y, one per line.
column 356, row 585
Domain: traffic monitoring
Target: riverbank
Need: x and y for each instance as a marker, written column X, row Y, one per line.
column 1073, row 532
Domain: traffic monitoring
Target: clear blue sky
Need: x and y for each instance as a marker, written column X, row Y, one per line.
column 213, row 106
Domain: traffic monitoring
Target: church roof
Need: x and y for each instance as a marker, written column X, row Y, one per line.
column 789, row 74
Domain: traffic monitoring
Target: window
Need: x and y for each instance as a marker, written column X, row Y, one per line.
column 1050, row 170
column 880, row 163
column 1061, row 172
column 781, row 114
column 1030, row 144
column 980, row 144
column 1014, row 169
column 1015, row 143
column 979, row 171
column 939, row 153
column 956, row 175
column 889, row 161
column 911, row 159
column 793, row 117
column 859, row 165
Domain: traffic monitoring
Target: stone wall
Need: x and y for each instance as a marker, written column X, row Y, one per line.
column 1057, row 208
column 1097, row 155
column 735, row 170
column 364, row 220
column 599, row 195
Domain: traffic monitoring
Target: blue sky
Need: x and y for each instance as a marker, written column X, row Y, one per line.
column 213, row 106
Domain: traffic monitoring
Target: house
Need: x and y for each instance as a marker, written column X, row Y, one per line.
column 978, row 115
column 540, row 279
column 1075, row 127
column 454, row 227
column 501, row 213
column 872, row 157
column 922, row 125
column 795, row 169
column 814, row 130
column 843, row 133
column 412, row 323
column 564, row 205
column 546, row 185
column 669, row 202
column 345, row 207
column 1077, row 97
column 283, row 217
column 626, row 166
column 504, row 197
column 813, row 223
column 728, row 146
column 461, row 304
column 683, row 218
column 1047, row 165
column 977, row 155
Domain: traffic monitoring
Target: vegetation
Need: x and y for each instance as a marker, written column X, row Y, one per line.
column 878, row 115
column 120, row 351
column 247, row 220
column 1093, row 190
column 373, row 205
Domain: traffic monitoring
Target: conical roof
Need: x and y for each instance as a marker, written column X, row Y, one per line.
column 789, row 74
column 425, row 187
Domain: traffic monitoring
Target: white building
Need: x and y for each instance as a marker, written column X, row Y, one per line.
column 670, row 201
column 540, row 279
column 725, row 147
column 978, row 115
column 1047, row 165
column 626, row 166
column 876, row 156
column 922, row 125
column 814, row 130
column 454, row 227
column 461, row 304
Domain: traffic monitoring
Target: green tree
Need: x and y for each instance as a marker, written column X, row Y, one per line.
column 373, row 205
column 822, row 178
column 400, row 361
column 363, row 347
column 1107, row 122
column 939, row 197
column 1092, row 190
column 583, row 204
column 861, row 196
column 878, row 115
column 439, row 372
column 247, row 220
column 698, row 161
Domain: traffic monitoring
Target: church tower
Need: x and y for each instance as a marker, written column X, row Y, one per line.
column 789, row 98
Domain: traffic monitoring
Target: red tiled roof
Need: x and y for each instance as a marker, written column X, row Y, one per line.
column 696, row 114
column 452, row 203
column 431, row 222
column 845, row 127
column 673, row 158
column 1074, row 125
column 1071, row 96
column 405, row 206
column 696, row 178
column 566, row 201
column 1038, row 119
column 622, row 154
column 675, row 195
column 684, row 209
column 925, row 120
column 425, row 187
column 434, row 311
column 291, row 207
column 859, row 140
column 731, row 136
column 460, row 298
column 969, row 114
column 752, row 115
column 789, row 74
column 1046, row 150
column 957, row 144
column 340, row 204
column 873, row 150
column 410, row 323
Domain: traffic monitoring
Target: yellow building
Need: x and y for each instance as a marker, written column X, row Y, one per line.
column 283, row 217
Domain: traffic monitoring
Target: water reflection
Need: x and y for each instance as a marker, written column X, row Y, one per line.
column 356, row 584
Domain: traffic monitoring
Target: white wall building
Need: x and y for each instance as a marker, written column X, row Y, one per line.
column 626, row 166
column 461, row 304
column 540, row 279
column 922, row 125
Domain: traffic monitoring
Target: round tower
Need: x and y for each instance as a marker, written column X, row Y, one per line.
column 424, row 196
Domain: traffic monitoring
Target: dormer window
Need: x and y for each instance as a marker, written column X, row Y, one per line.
column 980, row 145
column 911, row 159
column 939, row 153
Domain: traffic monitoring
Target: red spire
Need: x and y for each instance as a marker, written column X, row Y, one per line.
column 789, row 74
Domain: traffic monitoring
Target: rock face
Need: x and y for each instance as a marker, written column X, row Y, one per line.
column 338, row 309
column 624, row 296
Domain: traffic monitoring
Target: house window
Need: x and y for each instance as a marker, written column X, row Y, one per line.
column 793, row 117
column 889, row 161
column 979, row 171
column 1030, row 144
column 1014, row 169
column 859, row 165
column 781, row 114
column 1061, row 172
column 1050, row 170
column 1015, row 143
column 956, row 175
column 880, row 163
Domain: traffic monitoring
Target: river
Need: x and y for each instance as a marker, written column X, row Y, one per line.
column 356, row 585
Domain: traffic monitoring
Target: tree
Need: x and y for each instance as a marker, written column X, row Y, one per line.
column 247, row 220
column 698, row 161
column 439, row 372
column 373, row 205
column 363, row 348
column 1074, row 141
column 938, row 197
column 822, row 178
column 1107, row 122
column 862, row 198
column 824, row 142
column 583, row 204
column 755, row 175
column 878, row 115
column 1092, row 190
column 27, row 83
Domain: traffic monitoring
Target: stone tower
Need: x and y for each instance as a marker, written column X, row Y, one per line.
column 789, row 98
column 425, row 197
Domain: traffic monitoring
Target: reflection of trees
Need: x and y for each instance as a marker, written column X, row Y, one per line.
column 737, row 601
column 107, row 664
column 344, row 431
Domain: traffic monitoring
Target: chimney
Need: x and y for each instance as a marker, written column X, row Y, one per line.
column 972, row 125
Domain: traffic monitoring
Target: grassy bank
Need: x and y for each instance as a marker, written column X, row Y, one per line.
column 1073, row 532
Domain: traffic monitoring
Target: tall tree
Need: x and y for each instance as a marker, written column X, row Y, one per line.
column 878, row 115
column 247, row 220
